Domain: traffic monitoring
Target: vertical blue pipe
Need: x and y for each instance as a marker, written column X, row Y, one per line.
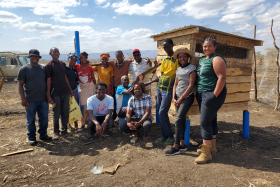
column 157, row 116
column 246, row 117
column 77, row 40
column 187, row 132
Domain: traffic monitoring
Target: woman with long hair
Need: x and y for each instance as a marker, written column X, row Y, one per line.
column 211, row 95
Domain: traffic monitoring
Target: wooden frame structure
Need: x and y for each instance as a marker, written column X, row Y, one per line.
column 237, row 50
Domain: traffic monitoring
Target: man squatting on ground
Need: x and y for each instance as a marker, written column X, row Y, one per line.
column 58, row 91
column 141, row 105
column 100, row 108
column 32, row 90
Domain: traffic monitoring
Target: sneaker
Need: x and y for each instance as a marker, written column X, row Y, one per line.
column 172, row 151
column 169, row 141
column 183, row 148
column 161, row 139
column 126, row 133
column 46, row 138
column 107, row 133
column 56, row 136
column 32, row 142
column 89, row 137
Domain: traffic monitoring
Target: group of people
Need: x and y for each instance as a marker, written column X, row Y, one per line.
column 113, row 96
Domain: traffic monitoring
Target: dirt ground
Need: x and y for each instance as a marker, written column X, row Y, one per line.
column 68, row 162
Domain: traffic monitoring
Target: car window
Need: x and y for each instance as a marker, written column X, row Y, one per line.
column 3, row 61
column 24, row 60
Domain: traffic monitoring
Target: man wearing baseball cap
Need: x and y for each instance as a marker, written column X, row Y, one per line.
column 138, row 66
column 32, row 90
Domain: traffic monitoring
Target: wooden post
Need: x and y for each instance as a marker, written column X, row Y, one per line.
column 3, row 79
column 277, row 63
column 255, row 69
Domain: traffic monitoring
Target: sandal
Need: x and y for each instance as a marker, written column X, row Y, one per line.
column 82, row 128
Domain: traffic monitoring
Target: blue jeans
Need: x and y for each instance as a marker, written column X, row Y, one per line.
column 42, row 110
column 164, row 101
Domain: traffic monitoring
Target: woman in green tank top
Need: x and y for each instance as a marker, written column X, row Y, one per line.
column 211, row 94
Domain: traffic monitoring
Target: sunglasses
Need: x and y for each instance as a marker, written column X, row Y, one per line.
column 136, row 54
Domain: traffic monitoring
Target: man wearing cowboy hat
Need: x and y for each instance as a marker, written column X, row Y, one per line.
column 32, row 90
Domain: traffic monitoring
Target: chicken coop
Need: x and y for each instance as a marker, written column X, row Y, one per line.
column 237, row 50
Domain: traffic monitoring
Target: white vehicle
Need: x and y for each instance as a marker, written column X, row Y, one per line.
column 11, row 62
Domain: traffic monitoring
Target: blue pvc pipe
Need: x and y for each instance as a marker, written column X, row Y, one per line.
column 246, row 120
column 157, row 116
column 187, row 132
column 77, row 41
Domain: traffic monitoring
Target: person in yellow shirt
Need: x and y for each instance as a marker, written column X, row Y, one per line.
column 105, row 73
column 168, row 69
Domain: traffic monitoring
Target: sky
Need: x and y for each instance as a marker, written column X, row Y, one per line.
column 111, row 25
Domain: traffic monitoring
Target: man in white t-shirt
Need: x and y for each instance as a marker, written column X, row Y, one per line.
column 138, row 66
column 100, row 108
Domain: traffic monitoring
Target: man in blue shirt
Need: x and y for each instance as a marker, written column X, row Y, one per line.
column 123, row 94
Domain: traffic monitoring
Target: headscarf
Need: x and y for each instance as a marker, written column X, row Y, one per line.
column 107, row 55
column 70, row 56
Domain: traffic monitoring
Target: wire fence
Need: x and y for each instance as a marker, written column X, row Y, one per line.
column 266, row 84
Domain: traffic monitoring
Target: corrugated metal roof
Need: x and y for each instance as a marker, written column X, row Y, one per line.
column 202, row 29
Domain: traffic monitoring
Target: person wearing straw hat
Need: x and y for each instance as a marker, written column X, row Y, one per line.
column 182, row 97
column 32, row 90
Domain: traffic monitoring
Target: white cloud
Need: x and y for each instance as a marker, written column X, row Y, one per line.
column 72, row 19
column 56, row 36
column 200, row 9
column 238, row 18
column 116, row 30
column 85, row 4
column 105, row 6
column 44, row 7
column 49, row 28
column 167, row 25
column 137, row 33
column 271, row 13
column 165, row 14
column 171, row 1
column 259, row 9
column 114, row 17
column 8, row 17
column 152, row 8
column 99, row 2
column 245, row 27
column 31, row 39
column 234, row 6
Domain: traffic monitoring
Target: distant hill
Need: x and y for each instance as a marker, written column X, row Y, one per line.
column 144, row 53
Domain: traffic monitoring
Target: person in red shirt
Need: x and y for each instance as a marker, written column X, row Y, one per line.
column 87, row 84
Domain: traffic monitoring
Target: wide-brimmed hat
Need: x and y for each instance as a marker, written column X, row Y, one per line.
column 182, row 50
column 34, row 52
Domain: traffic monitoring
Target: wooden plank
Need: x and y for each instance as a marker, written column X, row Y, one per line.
column 231, row 98
column 182, row 40
column 238, row 79
column 239, row 71
column 17, row 152
column 227, row 107
column 177, row 34
column 238, row 87
column 160, row 50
